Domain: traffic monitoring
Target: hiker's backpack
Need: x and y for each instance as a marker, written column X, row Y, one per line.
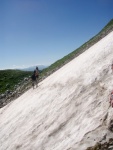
column 37, row 73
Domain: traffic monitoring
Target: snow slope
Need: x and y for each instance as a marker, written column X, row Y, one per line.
column 68, row 111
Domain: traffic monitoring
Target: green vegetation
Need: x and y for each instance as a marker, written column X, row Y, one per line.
column 10, row 78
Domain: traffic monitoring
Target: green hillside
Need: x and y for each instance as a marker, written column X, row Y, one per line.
column 10, row 78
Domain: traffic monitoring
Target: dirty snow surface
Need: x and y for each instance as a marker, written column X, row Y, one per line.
column 68, row 111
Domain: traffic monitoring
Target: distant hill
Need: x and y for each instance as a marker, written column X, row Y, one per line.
column 32, row 68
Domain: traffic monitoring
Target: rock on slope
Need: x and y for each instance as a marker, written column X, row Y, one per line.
column 68, row 111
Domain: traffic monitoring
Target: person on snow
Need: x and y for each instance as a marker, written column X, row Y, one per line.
column 37, row 74
column 34, row 80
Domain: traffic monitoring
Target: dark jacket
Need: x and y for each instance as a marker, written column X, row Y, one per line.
column 33, row 77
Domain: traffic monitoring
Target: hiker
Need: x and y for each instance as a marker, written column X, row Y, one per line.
column 34, row 80
column 37, row 74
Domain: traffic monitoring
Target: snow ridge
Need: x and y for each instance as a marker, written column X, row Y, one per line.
column 68, row 111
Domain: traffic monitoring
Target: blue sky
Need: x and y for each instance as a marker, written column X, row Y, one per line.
column 43, row 31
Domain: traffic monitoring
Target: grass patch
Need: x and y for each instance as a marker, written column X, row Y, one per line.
column 10, row 78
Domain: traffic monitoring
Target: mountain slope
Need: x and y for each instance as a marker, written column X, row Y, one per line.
column 6, row 80
column 68, row 111
column 59, row 63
